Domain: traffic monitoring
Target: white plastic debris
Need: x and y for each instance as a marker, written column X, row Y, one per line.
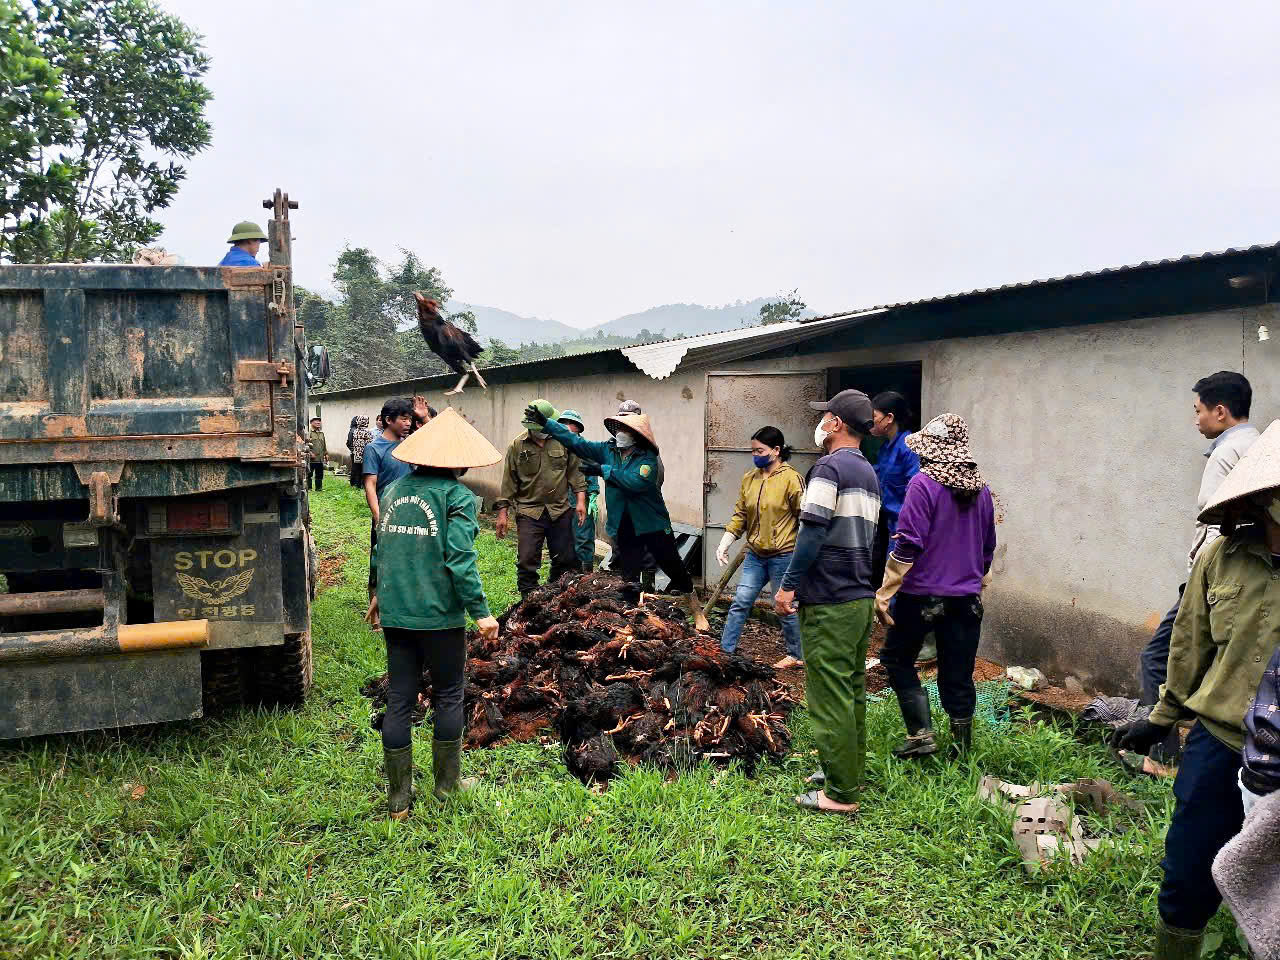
column 1028, row 678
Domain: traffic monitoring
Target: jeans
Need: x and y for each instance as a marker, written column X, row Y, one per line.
column 957, row 624
column 1153, row 662
column 1208, row 811
column 315, row 476
column 835, row 673
column 409, row 653
column 757, row 571
column 531, row 533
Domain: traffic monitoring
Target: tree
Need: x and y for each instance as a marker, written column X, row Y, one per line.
column 785, row 307
column 132, row 74
column 35, row 116
column 498, row 355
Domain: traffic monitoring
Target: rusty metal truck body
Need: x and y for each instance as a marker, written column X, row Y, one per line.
column 154, row 526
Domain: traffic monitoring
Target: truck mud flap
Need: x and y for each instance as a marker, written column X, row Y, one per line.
column 96, row 692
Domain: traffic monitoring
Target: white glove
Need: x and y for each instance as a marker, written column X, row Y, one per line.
column 722, row 551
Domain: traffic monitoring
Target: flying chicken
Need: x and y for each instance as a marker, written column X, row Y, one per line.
column 455, row 347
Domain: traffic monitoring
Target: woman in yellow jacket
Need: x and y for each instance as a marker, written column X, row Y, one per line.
column 768, row 514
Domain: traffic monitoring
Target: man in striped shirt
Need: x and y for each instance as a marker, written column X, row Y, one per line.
column 830, row 575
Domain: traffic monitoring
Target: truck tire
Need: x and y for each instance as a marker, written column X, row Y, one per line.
column 222, row 680
column 281, row 676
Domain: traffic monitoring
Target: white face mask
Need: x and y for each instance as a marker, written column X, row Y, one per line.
column 819, row 436
column 624, row 439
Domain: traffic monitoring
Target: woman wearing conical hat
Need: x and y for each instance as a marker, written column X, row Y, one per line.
column 427, row 584
column 1227, row 628
column 638, row 518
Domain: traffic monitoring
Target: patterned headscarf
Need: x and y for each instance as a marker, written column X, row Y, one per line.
column 943, row 447
column 361, row 436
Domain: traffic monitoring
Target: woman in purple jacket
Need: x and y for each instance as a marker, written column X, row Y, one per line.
column 939, row 560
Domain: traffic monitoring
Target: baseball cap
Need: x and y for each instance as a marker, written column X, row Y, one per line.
column 851, row 406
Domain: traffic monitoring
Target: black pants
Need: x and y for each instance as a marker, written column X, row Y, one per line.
column 622, row 544
column 531, row 533
column 409, row 652
column 1153, row 670
column 1207, row 813
column 373, row 542
column 956, row 622
column 632, row 547
column 880, row 551
column 315, row 476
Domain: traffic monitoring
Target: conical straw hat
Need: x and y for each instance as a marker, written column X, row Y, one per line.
column 635, row 422
column 1257, row 471
column 447, row 440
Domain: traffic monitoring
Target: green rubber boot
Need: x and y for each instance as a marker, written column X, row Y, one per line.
column 1178, row 943
column 399, row 764
column 915, row 715
column 446, row 767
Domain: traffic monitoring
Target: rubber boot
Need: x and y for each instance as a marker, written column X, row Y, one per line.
column 915, row 714
column 1178, row 943
column 928, row 651
column 961, row 737
column 446, row 767
column 399, row 764
column 699, row 618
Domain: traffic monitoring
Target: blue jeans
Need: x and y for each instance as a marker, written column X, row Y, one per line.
column 756, row 572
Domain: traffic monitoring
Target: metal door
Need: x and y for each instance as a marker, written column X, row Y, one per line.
column 739, row 404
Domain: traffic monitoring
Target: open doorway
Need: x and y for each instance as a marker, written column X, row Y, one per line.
column 904, row 378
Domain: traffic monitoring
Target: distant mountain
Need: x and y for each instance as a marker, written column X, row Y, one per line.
column 511, row 328
column 685, row 319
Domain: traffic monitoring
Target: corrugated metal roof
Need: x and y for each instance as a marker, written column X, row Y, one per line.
column 660, row 360
column 1106, row 271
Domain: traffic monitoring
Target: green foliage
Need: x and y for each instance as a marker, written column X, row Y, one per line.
column 35, row 116
column 262, row 833
column 787, row 306
column 132, row 74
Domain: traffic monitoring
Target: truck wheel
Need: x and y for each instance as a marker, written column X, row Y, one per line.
column 282, row 675
column 222, row 680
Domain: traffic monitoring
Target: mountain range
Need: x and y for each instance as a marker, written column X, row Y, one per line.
column 670, row 320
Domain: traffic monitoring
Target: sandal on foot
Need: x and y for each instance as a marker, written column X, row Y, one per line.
column 813, row 801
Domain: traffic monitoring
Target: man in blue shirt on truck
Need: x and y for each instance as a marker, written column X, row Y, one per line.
column 246, row 237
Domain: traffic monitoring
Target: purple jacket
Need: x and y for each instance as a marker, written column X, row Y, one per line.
column 949, row 543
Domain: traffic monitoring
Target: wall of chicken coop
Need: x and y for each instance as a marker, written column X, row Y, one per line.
column 1084, row 433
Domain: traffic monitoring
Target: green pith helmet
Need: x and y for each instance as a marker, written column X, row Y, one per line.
column 572, row 416
column 246, row 230
column 546, row 408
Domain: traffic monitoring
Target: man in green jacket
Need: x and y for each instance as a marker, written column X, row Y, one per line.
column 427, row 584
column 1227, row 626
column 584, row 533
column 319, row 454
column 541, row 478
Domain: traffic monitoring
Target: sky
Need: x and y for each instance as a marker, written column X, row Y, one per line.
column 580, row 161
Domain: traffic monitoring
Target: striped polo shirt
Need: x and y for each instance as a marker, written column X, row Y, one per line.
column 842, row 495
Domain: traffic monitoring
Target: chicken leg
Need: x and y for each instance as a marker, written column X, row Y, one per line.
column 479, row 378
column 461, row 383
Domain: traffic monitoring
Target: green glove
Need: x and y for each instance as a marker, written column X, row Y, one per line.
column 593, row 510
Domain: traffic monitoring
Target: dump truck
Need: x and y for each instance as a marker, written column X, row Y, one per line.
column 155, row 541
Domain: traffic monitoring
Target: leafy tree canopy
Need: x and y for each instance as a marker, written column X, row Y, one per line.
column 787, row 306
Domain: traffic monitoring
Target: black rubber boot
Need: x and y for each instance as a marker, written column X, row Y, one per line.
column 399, row 764
column 1177, row 943
column 961, row 736
column 446, row 766
column 915, row 714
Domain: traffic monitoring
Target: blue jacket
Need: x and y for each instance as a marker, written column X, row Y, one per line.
column 631, row 483
column 237, row 257
column 895, row 467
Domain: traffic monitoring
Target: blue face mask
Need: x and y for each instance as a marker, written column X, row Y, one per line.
column 762, row 461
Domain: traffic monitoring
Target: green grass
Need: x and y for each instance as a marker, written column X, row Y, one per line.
column 262, row 834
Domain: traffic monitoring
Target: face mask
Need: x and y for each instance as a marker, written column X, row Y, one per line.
column 820, row 436
column 762, row 461
column 624, row 439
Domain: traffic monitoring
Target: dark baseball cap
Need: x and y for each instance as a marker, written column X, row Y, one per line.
column 851, row 406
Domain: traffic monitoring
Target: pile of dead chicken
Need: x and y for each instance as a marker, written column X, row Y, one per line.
column 619, row 677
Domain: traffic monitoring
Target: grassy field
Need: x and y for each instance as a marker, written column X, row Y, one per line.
column 262, row 834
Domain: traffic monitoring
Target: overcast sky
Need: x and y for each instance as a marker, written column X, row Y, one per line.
column 578, row 161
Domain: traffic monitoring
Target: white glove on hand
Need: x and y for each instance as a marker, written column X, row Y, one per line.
column 722, row 551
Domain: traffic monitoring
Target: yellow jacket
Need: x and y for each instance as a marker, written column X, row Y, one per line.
column 768, row 510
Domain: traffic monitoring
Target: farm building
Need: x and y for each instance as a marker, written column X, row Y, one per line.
column 1078, row 395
